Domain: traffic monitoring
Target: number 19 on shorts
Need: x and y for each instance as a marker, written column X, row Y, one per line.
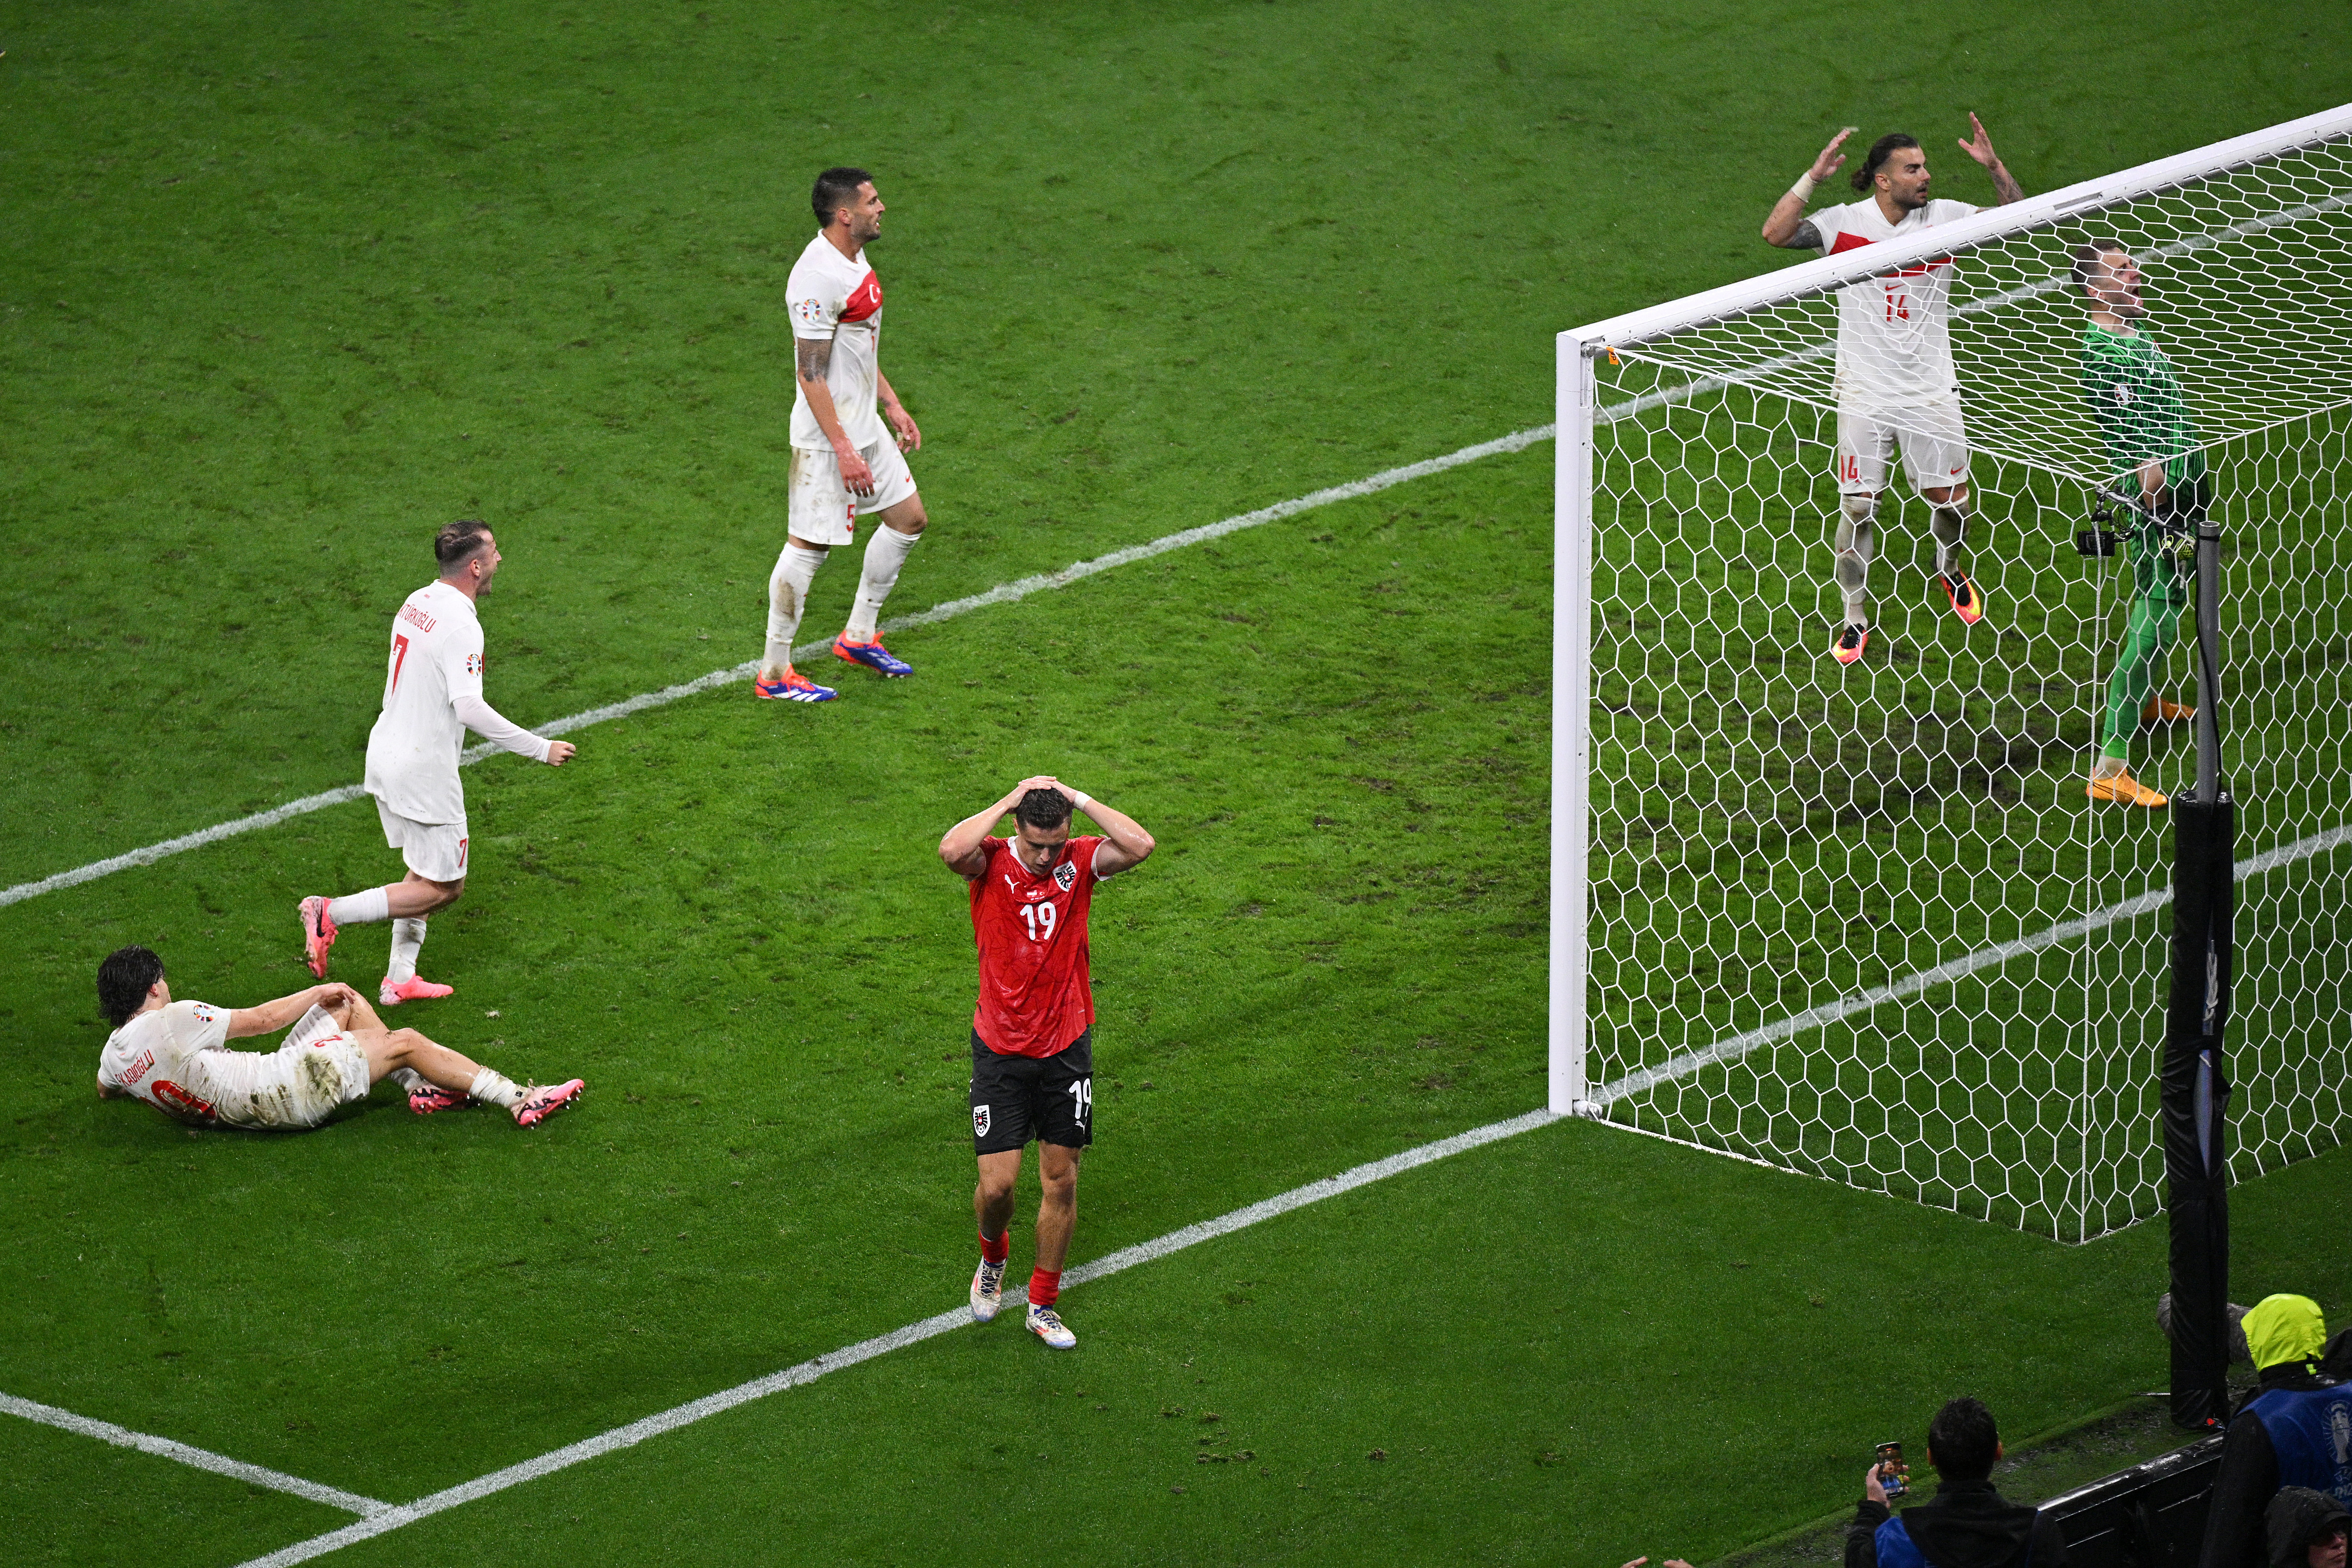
column 1081, row 1100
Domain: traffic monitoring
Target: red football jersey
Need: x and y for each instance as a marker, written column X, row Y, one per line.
column 1036, row 995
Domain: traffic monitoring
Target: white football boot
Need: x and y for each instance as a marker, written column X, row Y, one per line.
column 1048, row 1325
column 987, row 1291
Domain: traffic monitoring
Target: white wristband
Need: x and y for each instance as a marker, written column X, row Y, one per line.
column 1804, row 189
column 1081, row 799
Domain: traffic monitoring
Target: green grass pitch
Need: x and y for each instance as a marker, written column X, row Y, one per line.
column 283, row 287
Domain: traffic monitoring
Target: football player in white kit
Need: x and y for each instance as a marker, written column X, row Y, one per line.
column 844, row 464
column 1895, row 383
column 432, row 696
column 175, row 1055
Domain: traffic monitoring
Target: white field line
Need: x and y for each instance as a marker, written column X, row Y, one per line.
column 1003, row 593
column 1734, row 1046
column 393, row 1518
column 123, row 1438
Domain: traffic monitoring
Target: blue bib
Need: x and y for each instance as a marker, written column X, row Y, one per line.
column 2311, row 1432
column 1897, row 1550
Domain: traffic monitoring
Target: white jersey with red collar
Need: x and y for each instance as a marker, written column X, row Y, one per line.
column 1895, row 343
column 839, row 297
column 436, row 657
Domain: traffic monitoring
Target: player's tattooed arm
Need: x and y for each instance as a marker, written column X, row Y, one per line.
column 1807, row 237
column 812, row 357
column 2004, row 184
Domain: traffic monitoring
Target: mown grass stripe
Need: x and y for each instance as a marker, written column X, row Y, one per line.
column 809, row 1371
column 1003, row 593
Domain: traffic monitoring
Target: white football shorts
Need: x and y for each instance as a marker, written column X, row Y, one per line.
column 299, row 1087
column 1933, row 438
column 434, row 851
column 821, row 506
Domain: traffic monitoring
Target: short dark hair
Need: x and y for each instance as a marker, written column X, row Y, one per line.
column 1963, row 1441
column 124, row 978
column 458, row 542
column 834, row 189
column 2086, row 256
column 1879, row 151
column 1043, row 808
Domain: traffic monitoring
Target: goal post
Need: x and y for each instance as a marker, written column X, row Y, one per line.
column 1861, row 921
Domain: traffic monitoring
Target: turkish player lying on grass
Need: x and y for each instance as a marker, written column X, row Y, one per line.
column 175, row 1055
column 1033, row 1028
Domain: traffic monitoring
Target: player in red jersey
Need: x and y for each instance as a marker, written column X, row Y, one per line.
column 1032, row 1030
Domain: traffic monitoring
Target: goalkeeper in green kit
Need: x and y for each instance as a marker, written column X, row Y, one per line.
column 2154, row 458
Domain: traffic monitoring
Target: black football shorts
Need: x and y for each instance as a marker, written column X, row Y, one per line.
column 1017, row 1099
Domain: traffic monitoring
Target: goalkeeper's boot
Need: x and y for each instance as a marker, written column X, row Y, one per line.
column 318, row 933
column 393, row 993
column 987, row 1291
column 1966, row 602
column 426, row 1099
column 793, row 687
column 1851, row 638
column 538, row 1104
column 2123, row 790
column 2161, row 711
column 872, row 655
column 1048, row 1325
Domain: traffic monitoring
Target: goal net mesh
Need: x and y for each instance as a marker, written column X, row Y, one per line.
column 1862, row 921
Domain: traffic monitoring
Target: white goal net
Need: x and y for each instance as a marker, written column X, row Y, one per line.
column 1861, row 921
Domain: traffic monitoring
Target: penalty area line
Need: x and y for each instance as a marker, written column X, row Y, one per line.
column 202, row 1460
column 393, row 1517
column 1003, row 593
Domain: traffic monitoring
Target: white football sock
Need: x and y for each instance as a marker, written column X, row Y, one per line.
column 360, row 908
column 408, row 938
column 788, row 587
column 409, row 1079
column 495, row 1087
column 885, row 553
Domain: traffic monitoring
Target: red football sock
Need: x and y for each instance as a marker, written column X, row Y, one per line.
column 1044, row 1287
column 994, row 1251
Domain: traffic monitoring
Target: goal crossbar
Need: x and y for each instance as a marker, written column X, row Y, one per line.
column 1825, row 273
